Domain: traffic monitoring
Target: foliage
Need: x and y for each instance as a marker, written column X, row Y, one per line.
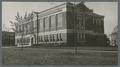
column 20, row 19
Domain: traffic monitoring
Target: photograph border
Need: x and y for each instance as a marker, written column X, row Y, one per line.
column 118, row 34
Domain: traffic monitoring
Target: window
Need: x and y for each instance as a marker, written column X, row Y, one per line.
column 42, row 38
column 59, row 20
column 46, row 23
column 47, row 38
column 30, row 27
column 102, row 21
column 53, row 20
column 39, row 38
column 35, row 26
column 99, row 22
column 28, row 40
column 94, row 21
column 53, row 37
column 81, row 36
column 35, row 23
column 57, row 37
column 84, row 36
column 41, row 26
column 17, row 40
column 60, row 37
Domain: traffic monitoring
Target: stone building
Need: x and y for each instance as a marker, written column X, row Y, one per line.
column 66, row 25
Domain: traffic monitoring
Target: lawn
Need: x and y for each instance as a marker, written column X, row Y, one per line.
column 59, row 56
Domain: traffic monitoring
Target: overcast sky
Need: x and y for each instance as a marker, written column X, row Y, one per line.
column 107, row 9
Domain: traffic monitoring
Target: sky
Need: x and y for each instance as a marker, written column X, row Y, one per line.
column 108, row 9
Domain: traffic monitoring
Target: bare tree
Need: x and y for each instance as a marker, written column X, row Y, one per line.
column 14, row 25
column 19, row 19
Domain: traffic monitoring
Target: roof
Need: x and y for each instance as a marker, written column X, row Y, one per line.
column 54, row 7
column 82, row 6
column 97, row 15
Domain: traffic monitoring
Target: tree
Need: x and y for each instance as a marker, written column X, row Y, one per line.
column 25, row 16
column 14, row 25
column 19, row 19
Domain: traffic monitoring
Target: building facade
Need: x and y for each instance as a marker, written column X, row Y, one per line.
column 8, row 38
column 63, row 25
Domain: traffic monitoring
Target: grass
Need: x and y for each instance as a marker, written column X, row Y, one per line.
column 58, row 56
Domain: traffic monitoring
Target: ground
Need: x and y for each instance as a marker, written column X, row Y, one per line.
column 57, row 55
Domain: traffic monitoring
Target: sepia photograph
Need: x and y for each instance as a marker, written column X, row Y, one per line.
column 62, row 33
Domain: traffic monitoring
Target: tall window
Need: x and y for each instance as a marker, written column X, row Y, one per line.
column 59, row 20
column 81, row 36
column 47, row 38
column 84, row 36
column 60, row 37
column 46, row 23
column 53, row 20
column 57, row 37
column 53, row 38
column 35, row 23
column 99, row 22
column 94, row 21
column 41, row 26
column 41, row 38
column 44, row 37
column 50, row 37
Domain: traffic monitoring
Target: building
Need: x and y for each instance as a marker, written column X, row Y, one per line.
column 66, row 25
column 113, row 35
column 8, row 38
